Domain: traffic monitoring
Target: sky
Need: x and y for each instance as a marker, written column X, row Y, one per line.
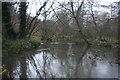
column 36, row 4
column 107, row 2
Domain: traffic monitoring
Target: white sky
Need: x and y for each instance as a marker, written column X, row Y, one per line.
column 36, row 4
column 107, row 2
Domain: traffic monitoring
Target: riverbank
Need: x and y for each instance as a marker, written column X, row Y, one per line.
column 16, row 46
column 21, row 45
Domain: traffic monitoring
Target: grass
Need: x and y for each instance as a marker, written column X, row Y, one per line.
column 106, row 44
column 109, row 43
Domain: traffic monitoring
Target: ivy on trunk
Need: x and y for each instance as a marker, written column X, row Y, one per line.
column 22, row 17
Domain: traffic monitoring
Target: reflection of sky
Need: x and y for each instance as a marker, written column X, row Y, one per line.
column 31, row 73
column 16, row 70
column 105, row 70
column 68, row 67
column 99, row 69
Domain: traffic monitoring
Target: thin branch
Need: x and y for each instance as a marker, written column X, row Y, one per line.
column 37, row 14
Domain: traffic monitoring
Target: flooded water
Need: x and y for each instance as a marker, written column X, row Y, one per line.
column 64, row 60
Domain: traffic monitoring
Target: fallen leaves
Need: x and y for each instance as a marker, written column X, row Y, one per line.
column 95, row 58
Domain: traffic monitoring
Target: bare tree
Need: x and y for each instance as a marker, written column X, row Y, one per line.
column 119, row 21
column 76, row 17
column 94, row 20
column 29, row 30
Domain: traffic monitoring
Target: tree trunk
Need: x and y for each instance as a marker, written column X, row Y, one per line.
column 22, row 9
column 9, row 32
column 77, row 22
column 119, row 21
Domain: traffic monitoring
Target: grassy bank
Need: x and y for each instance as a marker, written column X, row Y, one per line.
column 108, row 44
column 19, row 45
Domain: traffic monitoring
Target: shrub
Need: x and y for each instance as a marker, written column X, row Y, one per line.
column 35, row 42
column 105, row 44
column 19, row 45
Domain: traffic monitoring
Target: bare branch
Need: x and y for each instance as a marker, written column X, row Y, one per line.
column 37, row 14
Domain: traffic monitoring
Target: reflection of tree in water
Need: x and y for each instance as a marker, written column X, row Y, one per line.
column 68, row 62
column 55, row 63
column 23, row 67
column 44, row 63
column 80, row 60
column 9, row 65
column 60, row 50
column 17, row 65
column 33, row 62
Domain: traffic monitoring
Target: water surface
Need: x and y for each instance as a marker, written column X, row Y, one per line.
column 64, row 60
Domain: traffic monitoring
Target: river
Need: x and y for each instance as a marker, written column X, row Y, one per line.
column 64, row 60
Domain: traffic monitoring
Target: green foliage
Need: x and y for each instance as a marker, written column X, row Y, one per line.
column 106, row 44
column 35, row 42
column 67, row 37
column 20, row 45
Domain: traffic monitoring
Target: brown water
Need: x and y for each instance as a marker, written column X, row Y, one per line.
column 64, row 60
